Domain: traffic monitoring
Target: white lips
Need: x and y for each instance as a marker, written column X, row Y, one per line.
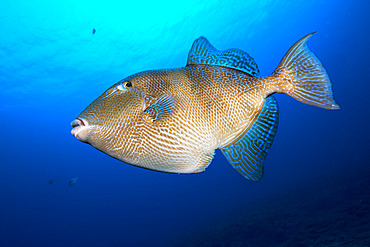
column 80, row 129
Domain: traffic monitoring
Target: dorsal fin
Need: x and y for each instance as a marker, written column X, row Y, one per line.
column 202, row 52
column 246, row 155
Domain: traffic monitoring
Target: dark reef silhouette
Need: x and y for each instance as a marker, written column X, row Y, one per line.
column 318, row 213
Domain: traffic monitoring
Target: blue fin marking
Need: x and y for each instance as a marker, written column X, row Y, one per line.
column 202, row 52
column 246, row 155
column 161, row 108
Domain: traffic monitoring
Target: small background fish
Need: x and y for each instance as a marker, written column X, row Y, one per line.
column 72, row 181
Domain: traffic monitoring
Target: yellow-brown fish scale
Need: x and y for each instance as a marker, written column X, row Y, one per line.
column 214, row 106
column 211, row 103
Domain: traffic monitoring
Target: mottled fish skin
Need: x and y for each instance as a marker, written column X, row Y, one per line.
column 206, row 107
column 210, row 103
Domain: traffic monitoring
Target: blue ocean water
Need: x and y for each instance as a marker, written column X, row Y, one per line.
column 56, row 57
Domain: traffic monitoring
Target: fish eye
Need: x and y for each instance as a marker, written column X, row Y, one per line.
column 128, row 84
column 125, row 85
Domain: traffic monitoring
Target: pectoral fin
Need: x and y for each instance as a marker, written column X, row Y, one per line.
column 246, row 155
column 161, row 108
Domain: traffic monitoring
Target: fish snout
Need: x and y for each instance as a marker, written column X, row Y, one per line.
column 80, row 129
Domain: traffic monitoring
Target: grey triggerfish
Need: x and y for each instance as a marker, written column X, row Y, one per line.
column 173, row 120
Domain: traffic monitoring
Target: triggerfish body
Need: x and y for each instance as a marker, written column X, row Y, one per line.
column 173, row 120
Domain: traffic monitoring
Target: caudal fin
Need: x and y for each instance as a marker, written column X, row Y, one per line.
column 307, row 79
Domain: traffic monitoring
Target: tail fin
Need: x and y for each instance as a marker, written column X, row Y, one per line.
column 309, row 82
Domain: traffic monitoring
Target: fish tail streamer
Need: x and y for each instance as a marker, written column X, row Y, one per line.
column 301, row 75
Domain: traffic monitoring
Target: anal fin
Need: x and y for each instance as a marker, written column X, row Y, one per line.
column 246, row 155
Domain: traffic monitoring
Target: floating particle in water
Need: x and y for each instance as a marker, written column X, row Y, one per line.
column 51, row 181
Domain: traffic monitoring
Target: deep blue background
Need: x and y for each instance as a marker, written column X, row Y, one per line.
column 52, row 66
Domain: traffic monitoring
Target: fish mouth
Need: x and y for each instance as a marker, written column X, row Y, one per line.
column 80, row 129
